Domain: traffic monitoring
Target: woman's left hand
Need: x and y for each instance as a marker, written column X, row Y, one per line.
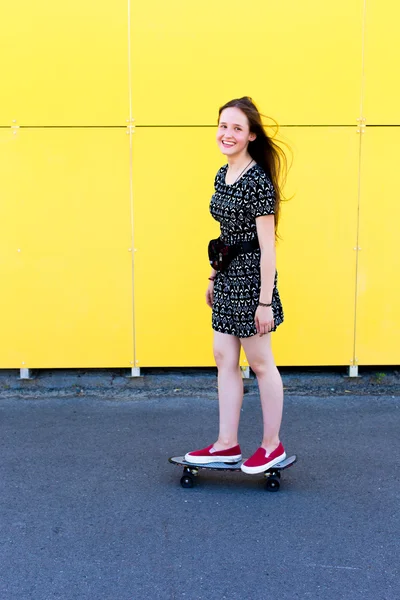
column 264, row 320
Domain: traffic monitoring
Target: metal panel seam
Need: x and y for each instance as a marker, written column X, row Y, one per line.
column 361, row 132
column 131, row 183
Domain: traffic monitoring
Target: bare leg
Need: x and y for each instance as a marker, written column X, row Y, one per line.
column 259, row 356
column 230, row 388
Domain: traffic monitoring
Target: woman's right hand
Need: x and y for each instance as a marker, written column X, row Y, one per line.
column 210, row 294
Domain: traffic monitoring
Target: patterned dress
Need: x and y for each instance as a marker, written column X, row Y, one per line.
column 237, row 290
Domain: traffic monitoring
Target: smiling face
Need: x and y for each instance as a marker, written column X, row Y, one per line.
column 233, row 133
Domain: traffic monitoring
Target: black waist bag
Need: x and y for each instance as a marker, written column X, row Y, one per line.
column 221, row 255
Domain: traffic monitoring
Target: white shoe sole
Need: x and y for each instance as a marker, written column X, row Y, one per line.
column 206, row 460
column 263, row 468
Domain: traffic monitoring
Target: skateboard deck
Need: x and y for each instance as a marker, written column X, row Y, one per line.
column 190, row 470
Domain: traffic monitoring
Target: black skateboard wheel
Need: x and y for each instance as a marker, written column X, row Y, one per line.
column 187, row 481
column 272, row 484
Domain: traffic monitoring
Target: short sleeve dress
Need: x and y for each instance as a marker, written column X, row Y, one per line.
column 237, row 290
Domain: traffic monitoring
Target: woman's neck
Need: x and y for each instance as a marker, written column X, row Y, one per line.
column 238, row 163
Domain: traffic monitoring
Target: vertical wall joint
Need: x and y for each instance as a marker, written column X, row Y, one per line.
column 361, row 125
column 130, row 128
column 14, row 127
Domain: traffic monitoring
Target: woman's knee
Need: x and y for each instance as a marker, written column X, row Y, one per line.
column 260, row 367
column 226, row 360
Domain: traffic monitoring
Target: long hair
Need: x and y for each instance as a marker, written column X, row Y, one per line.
column 266, row 153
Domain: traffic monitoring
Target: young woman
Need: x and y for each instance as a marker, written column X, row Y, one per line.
column 244, row 297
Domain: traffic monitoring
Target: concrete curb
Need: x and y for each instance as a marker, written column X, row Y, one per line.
column 116, row 383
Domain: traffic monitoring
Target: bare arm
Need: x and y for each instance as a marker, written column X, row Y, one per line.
column 266, row 236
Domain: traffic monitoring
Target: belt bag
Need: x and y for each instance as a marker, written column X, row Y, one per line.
column 221, row 254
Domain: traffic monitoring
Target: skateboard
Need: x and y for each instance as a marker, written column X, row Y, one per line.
column 190, row 471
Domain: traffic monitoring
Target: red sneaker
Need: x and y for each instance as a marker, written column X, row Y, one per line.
column 209, row 455
column 261, row 461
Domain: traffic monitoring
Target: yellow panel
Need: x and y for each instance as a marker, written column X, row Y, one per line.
column 382, row 60
column 316, row 256
column 301, row 61
column 64, row 247
column 172, row 190
column 378, row 306
column 64, row 63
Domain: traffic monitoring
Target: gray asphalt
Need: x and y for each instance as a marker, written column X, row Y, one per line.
column 91, row 509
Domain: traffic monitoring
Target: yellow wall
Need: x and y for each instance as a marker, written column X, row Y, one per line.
column 66, row 268
column 105, row 225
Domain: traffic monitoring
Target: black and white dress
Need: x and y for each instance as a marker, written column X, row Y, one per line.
column 237, row 290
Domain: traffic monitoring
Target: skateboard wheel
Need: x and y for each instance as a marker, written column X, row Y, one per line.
column 187, row 481
column 272, row 484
